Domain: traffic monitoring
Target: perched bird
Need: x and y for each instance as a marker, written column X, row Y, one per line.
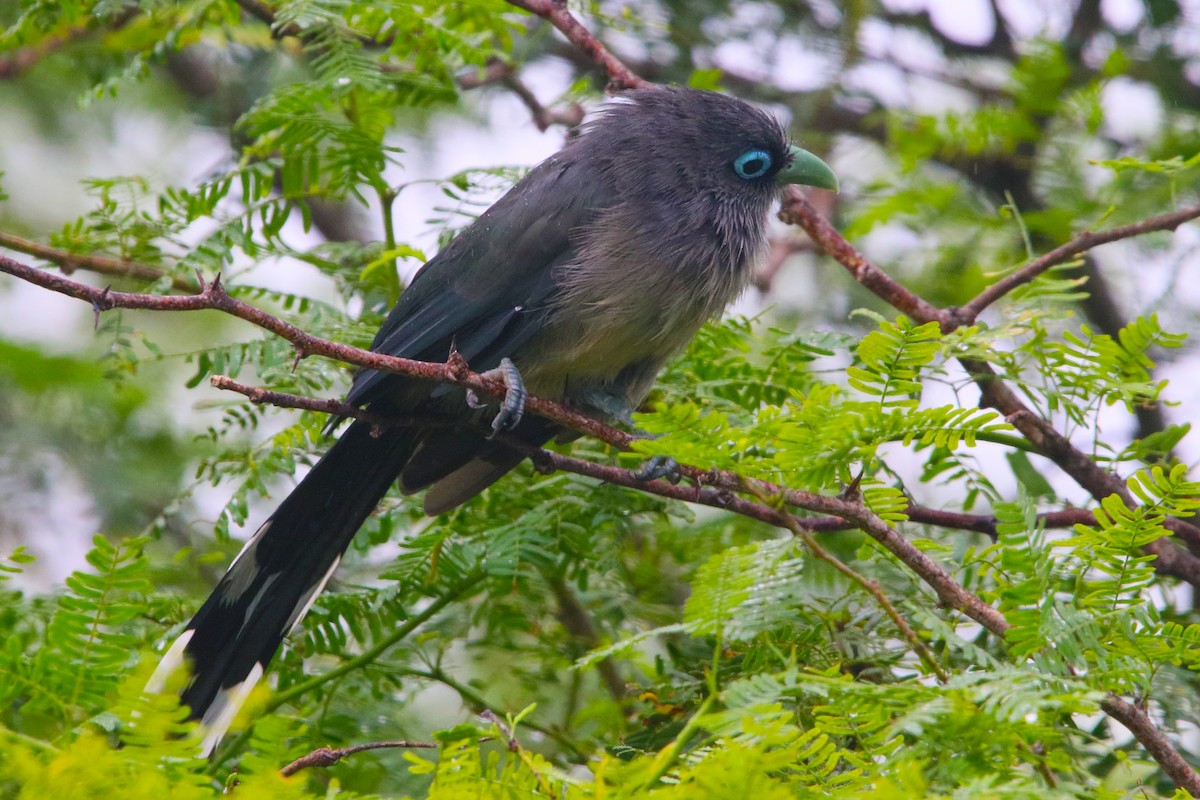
column 579, row 283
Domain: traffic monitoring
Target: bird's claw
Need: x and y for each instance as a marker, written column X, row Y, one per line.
column 512, row 407
column 610, row 406
column 658, row 467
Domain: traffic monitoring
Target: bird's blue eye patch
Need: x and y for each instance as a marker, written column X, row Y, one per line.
column 752, row 164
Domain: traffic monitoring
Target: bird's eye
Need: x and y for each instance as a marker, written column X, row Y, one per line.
column 752, row 164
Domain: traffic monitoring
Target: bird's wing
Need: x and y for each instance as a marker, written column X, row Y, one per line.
column 486, row 293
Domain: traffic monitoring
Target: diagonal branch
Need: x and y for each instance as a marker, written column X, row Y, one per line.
column 23, row 59
column 967, row 314
column 620, row 77
column 997, row 394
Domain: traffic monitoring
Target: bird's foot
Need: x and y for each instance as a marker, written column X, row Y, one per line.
column 853, row 490
column 615, row 408
column 611, row 406
column 658, row 467
column 512, row 407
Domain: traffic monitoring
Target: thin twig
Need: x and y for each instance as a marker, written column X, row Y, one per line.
column 68, row 262
column 967, row 314
column 23, row 59
column 328, row 756
column 514, row 746
column 505, row 74
column 478, row 704
column 871, row 586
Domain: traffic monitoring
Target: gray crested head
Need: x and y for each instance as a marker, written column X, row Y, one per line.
column 680, row 145
column 694, row 174
column 680, row 186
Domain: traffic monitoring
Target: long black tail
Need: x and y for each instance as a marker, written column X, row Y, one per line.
column 283, row 567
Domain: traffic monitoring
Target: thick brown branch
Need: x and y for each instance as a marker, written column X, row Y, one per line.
column 1157, row 745
column 797, row 210
column 214, row 297
column 620, row 77
column 333, row 407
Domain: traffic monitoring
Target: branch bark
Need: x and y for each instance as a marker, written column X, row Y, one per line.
column 967, row 314
column 995, row 393
column 68, row 262
column 620, row 77
column 23, row 59
column 328, row 756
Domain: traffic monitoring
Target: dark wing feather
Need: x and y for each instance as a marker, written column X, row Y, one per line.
column 487, row 292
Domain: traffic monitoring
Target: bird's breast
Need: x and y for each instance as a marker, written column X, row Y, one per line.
column 620, row 312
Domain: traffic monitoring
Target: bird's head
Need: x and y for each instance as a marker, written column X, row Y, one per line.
column 669, row 142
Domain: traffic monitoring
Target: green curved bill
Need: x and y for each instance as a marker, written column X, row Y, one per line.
column 807, row 169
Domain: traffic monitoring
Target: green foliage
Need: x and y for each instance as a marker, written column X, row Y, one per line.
column 891, row 359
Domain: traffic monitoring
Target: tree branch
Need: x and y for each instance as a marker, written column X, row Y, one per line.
column 967, row 314
column 1157, row 745
column 995, row 393
column 797, row 210
column 22, row 60
column 620, row 77
column 105, row 265
column 328, row 756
